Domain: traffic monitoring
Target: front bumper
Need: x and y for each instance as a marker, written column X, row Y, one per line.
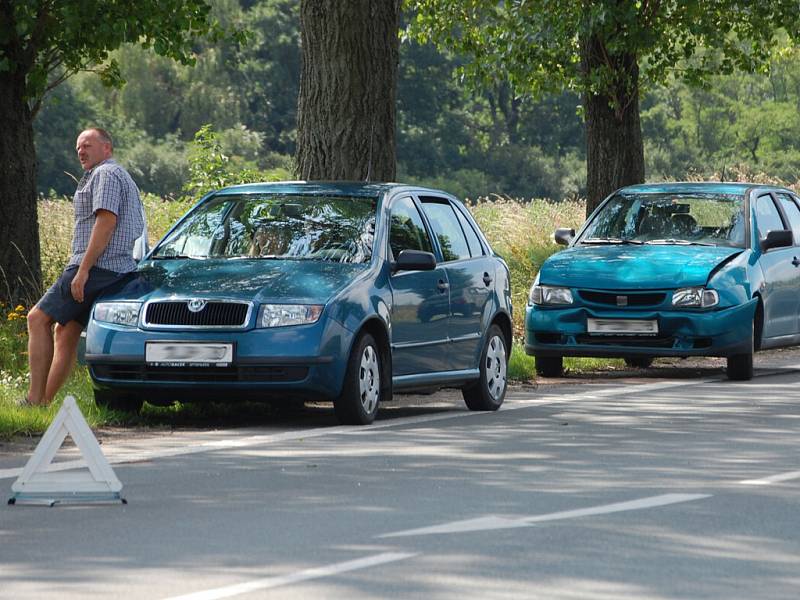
column 563, row 332
column 299, row 361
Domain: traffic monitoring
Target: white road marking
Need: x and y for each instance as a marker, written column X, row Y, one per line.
column 772, row 478
column 314, row 573
column 493, row 522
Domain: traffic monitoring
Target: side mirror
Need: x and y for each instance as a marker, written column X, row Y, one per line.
column 564, row 236
column 777, row 238
column 414, row 260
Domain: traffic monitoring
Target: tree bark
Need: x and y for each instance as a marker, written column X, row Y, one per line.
column 348, row 83
column 614, row 147
column 20, row 263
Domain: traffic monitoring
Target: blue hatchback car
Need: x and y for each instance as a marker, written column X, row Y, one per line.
column 336, row 291
column 674, row 269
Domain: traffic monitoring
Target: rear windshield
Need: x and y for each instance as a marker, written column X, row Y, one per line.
column 263, row 226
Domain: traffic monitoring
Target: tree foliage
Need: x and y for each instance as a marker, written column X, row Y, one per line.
column 48, row 41
column 471, row 140
column 607, row 51
column 537, row 42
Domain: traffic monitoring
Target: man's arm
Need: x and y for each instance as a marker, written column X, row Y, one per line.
column 104, row 223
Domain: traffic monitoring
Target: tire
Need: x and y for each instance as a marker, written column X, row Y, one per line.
column 550, row 366
column 639, row 362
column 489, row 391
column 127, row 403
column 361, row 393
column 740, row 366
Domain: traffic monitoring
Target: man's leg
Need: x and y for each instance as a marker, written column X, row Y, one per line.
column 66, row 352
column 40, row 353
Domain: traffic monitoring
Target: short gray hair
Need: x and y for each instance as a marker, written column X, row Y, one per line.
column 102, row 134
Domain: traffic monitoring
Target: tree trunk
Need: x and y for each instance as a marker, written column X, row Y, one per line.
column 20, row 266
column 348, row 83
column 614, row 147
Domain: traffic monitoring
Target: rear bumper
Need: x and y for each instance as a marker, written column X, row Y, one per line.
column 562, row 332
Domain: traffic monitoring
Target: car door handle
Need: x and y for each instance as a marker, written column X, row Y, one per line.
column 796, row 261
column 443, row 286
column 487, row 279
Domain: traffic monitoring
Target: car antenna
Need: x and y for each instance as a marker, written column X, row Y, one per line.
column 722, row 175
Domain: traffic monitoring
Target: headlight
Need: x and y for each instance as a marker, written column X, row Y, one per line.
column 281, row 315
column 119, row 313
column 545, row 294
column 696, row 297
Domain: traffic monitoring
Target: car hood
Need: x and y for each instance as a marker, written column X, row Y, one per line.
column 633, row 267
column 305, row 281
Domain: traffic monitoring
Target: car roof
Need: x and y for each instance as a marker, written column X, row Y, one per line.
column 700, row 187
column 347, row 188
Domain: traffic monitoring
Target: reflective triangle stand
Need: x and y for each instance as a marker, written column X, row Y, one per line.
column 95, row 484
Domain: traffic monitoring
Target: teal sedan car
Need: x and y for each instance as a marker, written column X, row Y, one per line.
column 673, row 269
column 328, row 291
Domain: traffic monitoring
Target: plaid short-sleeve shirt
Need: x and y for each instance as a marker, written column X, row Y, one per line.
column 108, row 186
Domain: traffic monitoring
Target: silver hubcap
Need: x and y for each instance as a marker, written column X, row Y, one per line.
column 496, row 367
column 369, row 380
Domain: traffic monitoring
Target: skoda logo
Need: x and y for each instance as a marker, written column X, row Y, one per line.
column 196, row 305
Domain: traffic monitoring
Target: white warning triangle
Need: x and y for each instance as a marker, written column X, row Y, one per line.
column 38, row 485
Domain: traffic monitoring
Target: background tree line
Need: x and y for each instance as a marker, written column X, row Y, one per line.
column 495, row 141
column 511, row 97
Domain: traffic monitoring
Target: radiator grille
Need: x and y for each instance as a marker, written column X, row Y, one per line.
column 213, row 314
column 623, row 298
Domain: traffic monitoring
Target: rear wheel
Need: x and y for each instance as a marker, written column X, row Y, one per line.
column 550, row 366
column 123, row 402
column 489, row 391
column 361, row 393
column 740, row 366
column 639, row 362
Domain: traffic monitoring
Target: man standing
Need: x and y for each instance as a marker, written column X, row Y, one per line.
column 108, row 219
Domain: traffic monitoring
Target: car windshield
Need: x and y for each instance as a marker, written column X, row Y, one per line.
column 275, row 226
column 686, row 219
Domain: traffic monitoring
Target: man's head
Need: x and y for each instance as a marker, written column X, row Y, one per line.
column 94, row 145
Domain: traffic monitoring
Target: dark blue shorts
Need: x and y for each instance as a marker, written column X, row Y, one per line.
column 59, row 304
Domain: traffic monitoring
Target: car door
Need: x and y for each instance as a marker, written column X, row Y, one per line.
column 780, row 290
column 470, row 274
column 420, row 299
column 791, row 210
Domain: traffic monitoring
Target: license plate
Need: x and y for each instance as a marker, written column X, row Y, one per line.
column 622, row 326
column 188, row 354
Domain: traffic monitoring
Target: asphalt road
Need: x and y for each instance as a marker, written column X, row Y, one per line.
column 661, row 488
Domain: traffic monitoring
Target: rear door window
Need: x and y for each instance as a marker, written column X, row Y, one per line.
column 447, row 228
column 792, row 212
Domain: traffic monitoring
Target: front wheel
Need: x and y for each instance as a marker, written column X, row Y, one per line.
column 740, row 366
column 550, row 366
column 361, row 392
column 489, row 391
column 118, row 401
column 639, row 362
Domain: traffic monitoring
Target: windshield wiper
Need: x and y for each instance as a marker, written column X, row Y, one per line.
column 175, row 257
column 678, row 242
column 609, row 240
column 256, row 257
